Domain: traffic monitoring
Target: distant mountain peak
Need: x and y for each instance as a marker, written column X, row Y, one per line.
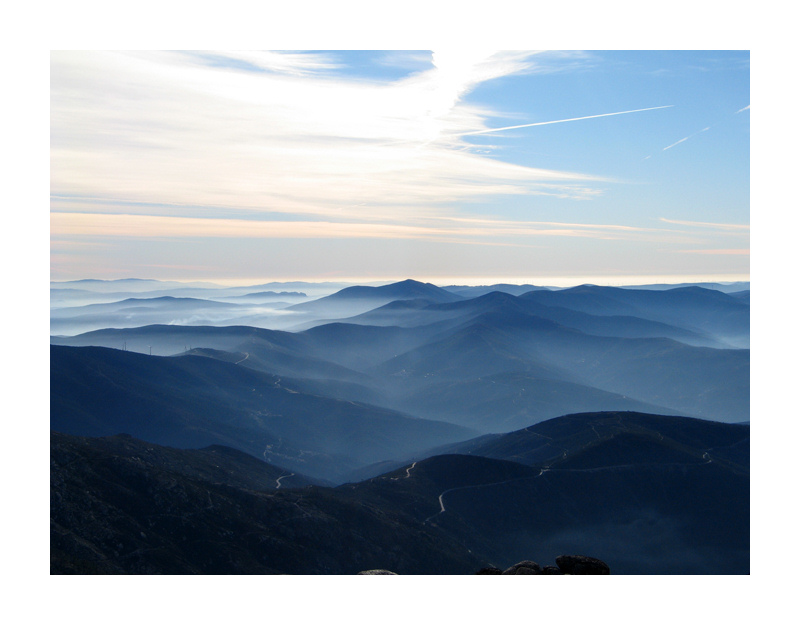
column 497, row 296
column 406, row 289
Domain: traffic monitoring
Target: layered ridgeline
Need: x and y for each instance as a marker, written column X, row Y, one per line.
column 495, row 362
column 372, row 379
column 644, row 493
column 193, row 401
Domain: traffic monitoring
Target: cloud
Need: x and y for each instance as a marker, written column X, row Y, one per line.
column 728, row 252
column 280, row 133
column 704, row 224
column 293, row 63
column 462, row 230
column 746, row 108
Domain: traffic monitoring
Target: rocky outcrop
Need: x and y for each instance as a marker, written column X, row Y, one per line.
column 526, row 567
column 582, row 565
column 489, row 570
column 567, row 565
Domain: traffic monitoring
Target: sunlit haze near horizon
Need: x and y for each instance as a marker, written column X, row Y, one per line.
column 448, row 166
column 562, row 281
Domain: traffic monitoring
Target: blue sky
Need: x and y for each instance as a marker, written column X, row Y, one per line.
column 242, row 167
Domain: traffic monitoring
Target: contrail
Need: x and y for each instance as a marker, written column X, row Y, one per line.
column 685, row 138
column 746, row 108
column 559, row 121
column 674, row 144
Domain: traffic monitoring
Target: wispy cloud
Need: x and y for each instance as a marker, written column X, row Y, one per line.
column 705, row 224
column 281, row 133
column 462, row 230
column 728, row 252
column 292, row 63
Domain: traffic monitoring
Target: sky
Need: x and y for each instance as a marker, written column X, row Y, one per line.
column 463, row 166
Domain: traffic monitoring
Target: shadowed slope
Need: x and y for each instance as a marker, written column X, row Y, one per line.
column 645, row 493
column 143, row 513
column 195, row 402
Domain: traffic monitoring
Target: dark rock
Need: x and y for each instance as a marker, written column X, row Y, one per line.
column 376, row 572
column 526, row 567
column 489, row 570
column 582, row 565
column 551, row 570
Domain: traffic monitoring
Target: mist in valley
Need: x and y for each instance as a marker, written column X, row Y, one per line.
column 361, row 387
column 493, row 362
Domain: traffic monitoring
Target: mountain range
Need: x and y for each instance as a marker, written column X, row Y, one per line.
column 534, row 360
column 433, row 414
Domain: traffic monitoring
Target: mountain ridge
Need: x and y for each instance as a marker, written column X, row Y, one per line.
column 444, row 514
column 194, row 401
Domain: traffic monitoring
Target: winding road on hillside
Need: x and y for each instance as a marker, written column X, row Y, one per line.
column 408, row 471
column 450, row 490
column 278, row 481
column 705, row 457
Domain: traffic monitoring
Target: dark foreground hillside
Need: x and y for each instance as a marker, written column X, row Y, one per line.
column 647, row 494
column 131, row 509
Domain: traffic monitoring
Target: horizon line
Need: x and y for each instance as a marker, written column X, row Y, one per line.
column 553, row 281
